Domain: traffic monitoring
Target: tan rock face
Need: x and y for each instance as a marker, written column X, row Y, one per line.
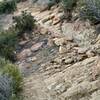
column 56, row 21
column 23, row 54
column 62, row 49
column 60, row 41
column 36, row 46
column 43, row 31
column 71, row 74
column 90, row 53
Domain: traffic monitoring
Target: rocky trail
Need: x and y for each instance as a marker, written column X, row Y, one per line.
column 61, row 60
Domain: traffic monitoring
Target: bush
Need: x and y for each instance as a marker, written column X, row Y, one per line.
column 5, row 87
column 20, row 1
column 10, row 70
column 69, row 4
column 7, row 6
column 24, row 22
column 91, row 10
column 8, row 41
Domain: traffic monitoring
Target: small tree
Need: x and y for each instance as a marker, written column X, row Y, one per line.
column 68, row 6
column 7, row 6
column 24, row 22
column 91, row 10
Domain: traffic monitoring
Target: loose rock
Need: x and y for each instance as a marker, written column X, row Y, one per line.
column 62, row 49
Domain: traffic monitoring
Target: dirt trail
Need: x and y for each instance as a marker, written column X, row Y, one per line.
column 35, row 89
column 59, row 63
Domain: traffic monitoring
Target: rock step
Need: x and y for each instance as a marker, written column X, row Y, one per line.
column 35, row 89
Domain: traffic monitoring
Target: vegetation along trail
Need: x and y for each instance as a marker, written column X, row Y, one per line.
column 50, row 50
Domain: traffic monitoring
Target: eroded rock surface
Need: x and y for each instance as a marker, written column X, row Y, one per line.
column 61, row 61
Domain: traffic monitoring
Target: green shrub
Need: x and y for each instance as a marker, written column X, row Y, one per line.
column 20, row 1
column 12, row 71
column 91, row 10
column 9, row 69
column 24, row 22
column 5, row 87
column 8, row 41
column 68, row 4
column 7, row 6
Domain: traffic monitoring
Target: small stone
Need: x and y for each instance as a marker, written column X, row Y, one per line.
column 60, row 41
column 43, row 31
column 25, row 53
column 31, row 59
column 90, row 53
column 48, row 23
column 82, row 50
column 69, row 61
column 60, row 88
column 58, row 60
column 98, row 39
column 36, row 46
column 22, row 43
column 50, row 42
column 62, row 49
column 46, row 19
column 56, row 21
column 60, row 16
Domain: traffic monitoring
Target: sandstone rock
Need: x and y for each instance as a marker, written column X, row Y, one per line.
column 50, row 42
column 60, row 88
column 62, row 49
column 96, row 48
column 47, row 18
column 67, row 29
column 36, row 46
column 69, row 61
column 96, row 95
column 22, row 43
column 60, row 41
column 31, row 59
column 58, row 60
column 56, row 21
column 98, row 39
column 60, row 15
column 51, row 86
column 90, row 53
column 43, row 31
column 23, row 54
column 82, row 50
column 48, row 23
column 53, row 7
column 76, row 90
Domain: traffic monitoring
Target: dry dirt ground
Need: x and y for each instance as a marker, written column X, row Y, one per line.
column 61, row 60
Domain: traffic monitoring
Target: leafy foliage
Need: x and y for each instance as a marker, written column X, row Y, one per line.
column 13, row 71
column 68, row 4
column 8, row 41
column 5, row 87
column 8, row 69
column 20, row 1
column 7, row 6
column 24, row 22
column 91, row 10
